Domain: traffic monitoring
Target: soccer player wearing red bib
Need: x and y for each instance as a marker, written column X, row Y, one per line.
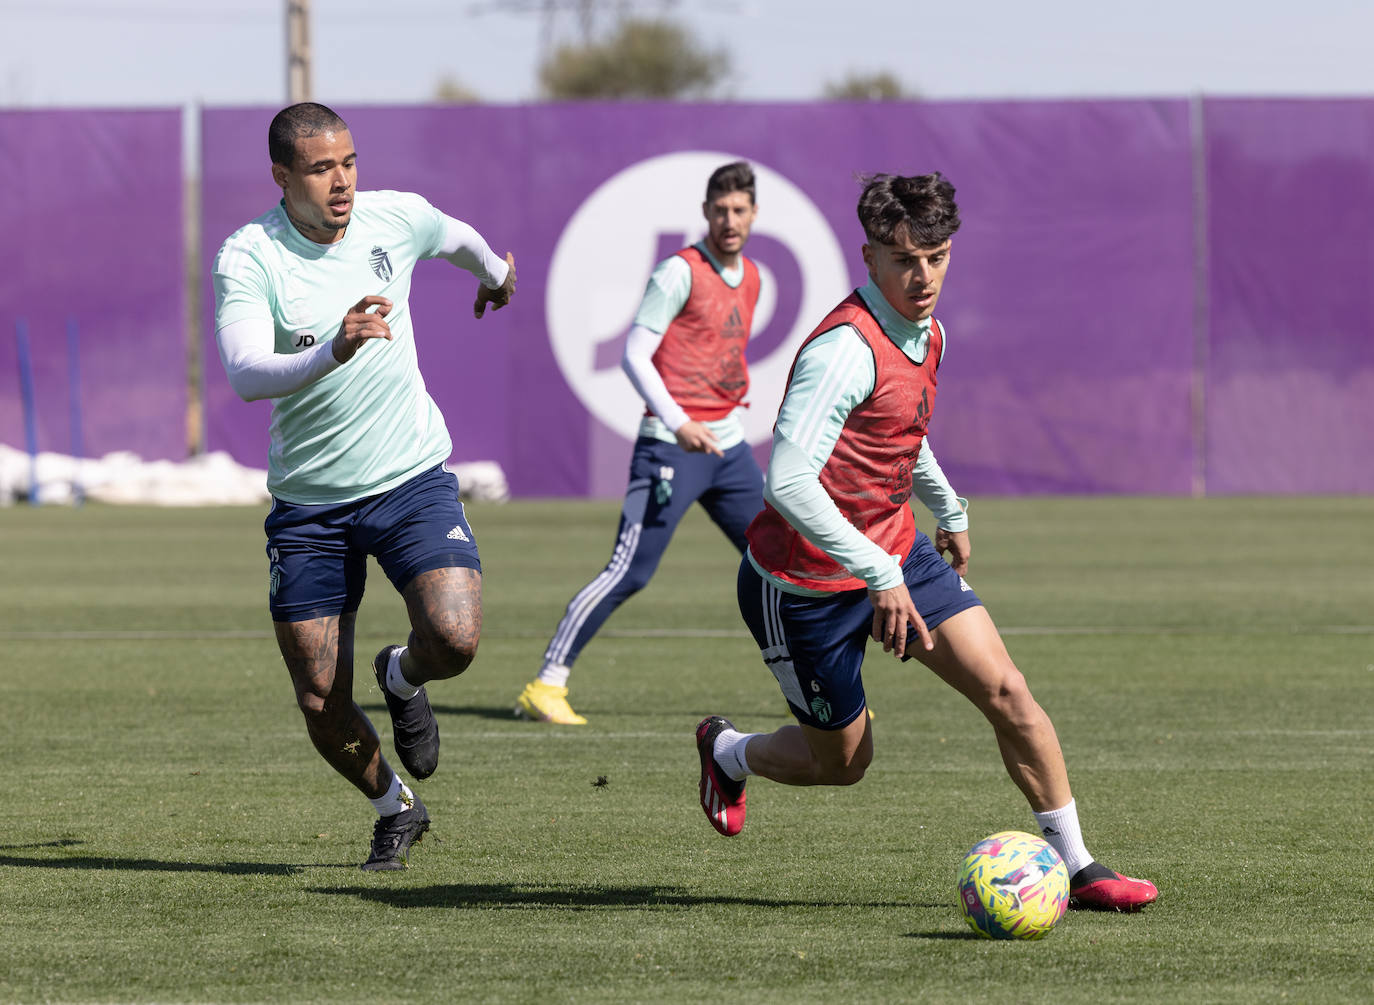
column 835, row 557
column 685, row 356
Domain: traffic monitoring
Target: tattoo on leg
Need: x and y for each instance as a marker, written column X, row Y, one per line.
column 319, row 657
column 445, row 607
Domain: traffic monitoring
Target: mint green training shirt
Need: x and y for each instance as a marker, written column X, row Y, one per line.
column 368, row 425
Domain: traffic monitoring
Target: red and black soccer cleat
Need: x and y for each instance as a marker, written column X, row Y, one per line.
column 1097, row 888
column 722, row 798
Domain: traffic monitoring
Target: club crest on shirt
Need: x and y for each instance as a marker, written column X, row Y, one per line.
column 381, row 263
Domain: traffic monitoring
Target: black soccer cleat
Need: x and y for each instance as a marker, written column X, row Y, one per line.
column 392, row 837
column 413, row 728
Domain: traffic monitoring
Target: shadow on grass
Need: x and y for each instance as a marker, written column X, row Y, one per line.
column 959, row 936
column 576, row 898
column 94, row 862
column 502, row 712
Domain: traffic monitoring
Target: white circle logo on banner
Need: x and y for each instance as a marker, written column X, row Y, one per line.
column 642, row 215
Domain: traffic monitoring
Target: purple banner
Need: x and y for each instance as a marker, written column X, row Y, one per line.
column 93, row 256
column 1290, row 374
column 1068, row 304
column 1077, row 339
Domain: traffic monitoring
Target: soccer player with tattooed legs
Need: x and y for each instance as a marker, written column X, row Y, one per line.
column 835, row 558
column 311, row 312
column 685, row 355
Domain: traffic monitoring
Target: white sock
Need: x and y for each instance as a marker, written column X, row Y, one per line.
column 1060, row 828
column 398, row 798
column 729, row 753
column 555, row 674
column 395, row 683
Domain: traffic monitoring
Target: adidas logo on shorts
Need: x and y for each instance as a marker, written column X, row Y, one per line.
column 456, row 534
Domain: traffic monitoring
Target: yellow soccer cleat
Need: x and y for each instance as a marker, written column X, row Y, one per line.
column 547, row 703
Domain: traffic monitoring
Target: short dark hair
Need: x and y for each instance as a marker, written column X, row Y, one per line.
column 296, row 122
column 736, row 176
column 921, row 205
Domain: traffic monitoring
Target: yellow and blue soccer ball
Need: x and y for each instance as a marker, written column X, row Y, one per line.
column 1013, row 885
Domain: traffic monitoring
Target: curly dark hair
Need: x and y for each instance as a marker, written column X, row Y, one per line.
column 736, row 176
column 295, row 122
column 919, row 207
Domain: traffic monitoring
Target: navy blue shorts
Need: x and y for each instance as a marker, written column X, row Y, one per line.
column 317, row 555
column 815, row 645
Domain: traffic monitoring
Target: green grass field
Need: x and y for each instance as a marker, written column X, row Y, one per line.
column 169, row 834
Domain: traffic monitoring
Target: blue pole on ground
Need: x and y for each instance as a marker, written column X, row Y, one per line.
column 21, row 341
column 74, row 403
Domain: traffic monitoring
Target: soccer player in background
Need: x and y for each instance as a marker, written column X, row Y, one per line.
column 685, row 356
column 835, row 556
column 311, row 311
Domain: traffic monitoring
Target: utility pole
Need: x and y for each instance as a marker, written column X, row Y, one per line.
column 297, row 51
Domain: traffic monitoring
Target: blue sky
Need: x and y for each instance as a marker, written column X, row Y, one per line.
column 177, row 52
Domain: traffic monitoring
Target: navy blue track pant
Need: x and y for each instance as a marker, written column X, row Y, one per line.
column 665, row 481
